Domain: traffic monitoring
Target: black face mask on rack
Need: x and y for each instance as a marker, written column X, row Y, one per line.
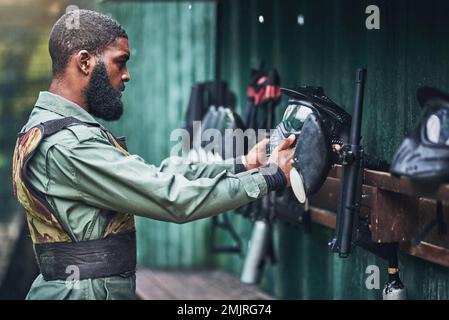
column 318, row 123
column 424, row 154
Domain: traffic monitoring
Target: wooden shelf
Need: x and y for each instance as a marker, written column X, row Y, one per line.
column 398, row 208
column 429, row 252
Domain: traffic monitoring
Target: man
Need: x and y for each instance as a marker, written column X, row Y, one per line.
column 81, row 189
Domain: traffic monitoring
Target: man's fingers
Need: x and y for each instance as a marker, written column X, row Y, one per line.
column 286, row 142
column 263, row 143
column 291, row 139
column 336, row 147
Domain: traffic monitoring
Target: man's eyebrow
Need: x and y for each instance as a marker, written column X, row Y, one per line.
column 125, row 56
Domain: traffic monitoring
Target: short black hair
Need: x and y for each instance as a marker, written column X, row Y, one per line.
column 81, row 30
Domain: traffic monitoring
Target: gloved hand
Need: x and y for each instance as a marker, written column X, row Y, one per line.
column 282, row 156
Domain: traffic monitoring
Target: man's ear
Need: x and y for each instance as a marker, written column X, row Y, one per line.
column 84, row 61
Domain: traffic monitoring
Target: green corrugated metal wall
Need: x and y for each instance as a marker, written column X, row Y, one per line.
column 173, row 47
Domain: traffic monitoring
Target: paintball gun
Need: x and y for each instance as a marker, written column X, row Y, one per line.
column 353, row 229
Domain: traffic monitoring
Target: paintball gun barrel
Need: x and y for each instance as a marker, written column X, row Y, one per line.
column 351, row 229
column 352, row 162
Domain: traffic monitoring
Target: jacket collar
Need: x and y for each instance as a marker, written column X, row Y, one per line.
column 63, row 107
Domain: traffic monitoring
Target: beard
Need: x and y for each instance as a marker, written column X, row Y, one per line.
column 103, row 101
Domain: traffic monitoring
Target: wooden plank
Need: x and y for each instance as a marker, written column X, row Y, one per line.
column 427, row 210
column 429, row 252
column 198, row 286
column 327, row 197
column 399, row 209
column 233, row 288
column 185, row 285
column 402, row 185
column 178, row 285
column 194, row 285
column 148, row 287
column 335, row 171
column 394, row 217
column 323, row 217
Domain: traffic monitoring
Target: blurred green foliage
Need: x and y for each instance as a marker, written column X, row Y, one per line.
column 25, row 70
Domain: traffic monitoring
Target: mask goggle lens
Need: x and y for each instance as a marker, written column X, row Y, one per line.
column 295, row 115
column 437, row 127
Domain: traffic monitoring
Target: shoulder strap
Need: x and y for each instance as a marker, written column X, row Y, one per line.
column 34, row 202
column 52, row 126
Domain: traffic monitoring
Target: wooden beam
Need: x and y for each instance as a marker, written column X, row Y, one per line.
column 429, row 252
column 323, row 217
column 394, row 216
column 399, row 210
column 388, row 182
column 327, row 197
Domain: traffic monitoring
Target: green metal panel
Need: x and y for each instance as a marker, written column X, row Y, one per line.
column 409, row 50
column 172, row 47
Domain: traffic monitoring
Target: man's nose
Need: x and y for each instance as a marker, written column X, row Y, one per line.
column 126, row 77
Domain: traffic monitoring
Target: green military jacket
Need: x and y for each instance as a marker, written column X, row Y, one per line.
column 84, row 178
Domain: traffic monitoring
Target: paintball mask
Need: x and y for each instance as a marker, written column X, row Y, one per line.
column 318, row 123
column 215, row 142
column 424, row 155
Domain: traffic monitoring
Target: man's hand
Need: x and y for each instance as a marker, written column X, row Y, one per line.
column 257, row 156
column 282, row 156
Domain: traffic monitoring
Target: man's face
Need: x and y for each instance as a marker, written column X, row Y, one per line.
column 115, row 57
column 107, row 81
